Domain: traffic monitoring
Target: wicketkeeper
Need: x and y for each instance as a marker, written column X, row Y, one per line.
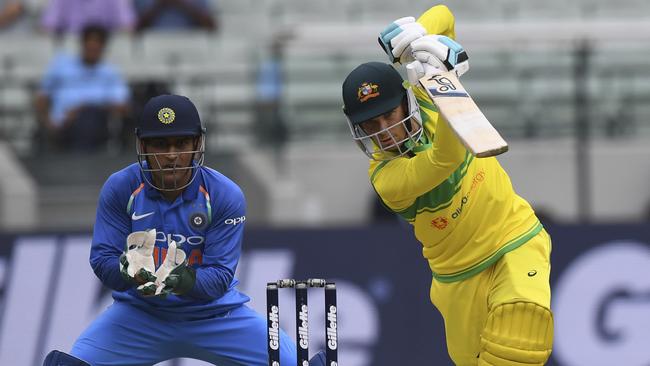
column 167, row 240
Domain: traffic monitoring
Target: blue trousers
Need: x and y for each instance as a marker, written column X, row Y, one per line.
column 125, row 335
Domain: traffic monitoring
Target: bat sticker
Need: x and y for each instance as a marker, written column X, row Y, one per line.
column 445, row 87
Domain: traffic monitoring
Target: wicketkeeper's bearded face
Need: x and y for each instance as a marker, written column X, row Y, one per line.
column 170, row 142
column 170, row 159
column 383, row 115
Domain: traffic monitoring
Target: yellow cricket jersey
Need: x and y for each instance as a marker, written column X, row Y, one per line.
column 463, row 209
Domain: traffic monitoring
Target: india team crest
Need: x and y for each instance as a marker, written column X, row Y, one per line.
column 367, row 91
column 166, row 115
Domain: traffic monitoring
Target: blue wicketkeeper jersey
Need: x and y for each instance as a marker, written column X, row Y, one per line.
column 206, row 221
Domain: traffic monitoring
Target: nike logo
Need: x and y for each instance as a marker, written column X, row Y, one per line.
column 135, row 217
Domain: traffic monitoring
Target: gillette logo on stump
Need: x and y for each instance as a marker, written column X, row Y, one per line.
column 303, row 328
column 332, row 342
column 274, row 329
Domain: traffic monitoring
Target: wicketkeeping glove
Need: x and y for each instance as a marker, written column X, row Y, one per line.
column 396, row 38
column 441, row 52
column 174, row 275
column 136, row 263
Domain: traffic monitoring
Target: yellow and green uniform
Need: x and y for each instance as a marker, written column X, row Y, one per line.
column 463, row 209
column 467, row 216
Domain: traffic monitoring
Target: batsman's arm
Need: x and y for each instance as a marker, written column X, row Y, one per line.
column 438, row 20
column 400, row 181
column 222, row 249
column 112, row 226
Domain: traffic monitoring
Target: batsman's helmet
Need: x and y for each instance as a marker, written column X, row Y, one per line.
column 370, row 90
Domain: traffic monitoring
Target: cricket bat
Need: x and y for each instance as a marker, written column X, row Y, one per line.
column 463, row 115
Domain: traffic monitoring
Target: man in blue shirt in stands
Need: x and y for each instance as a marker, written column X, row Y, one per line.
column 80, row 94
column 167, row 239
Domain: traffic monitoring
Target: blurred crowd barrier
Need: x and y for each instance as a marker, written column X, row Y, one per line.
column 599, row 278
column 326, row 184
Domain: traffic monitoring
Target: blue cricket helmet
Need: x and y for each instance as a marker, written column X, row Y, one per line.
column 169, row 115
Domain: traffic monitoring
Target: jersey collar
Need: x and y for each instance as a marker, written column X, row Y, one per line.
column 191, row 192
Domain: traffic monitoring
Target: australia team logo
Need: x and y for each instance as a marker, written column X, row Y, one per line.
column 367, row 91
column 166, row 115
column 198, row 220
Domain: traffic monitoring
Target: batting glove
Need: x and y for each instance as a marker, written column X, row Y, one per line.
column 441, row 52
column 174, row 275
column 416, row 70
column 396, row 38
column 136, row 263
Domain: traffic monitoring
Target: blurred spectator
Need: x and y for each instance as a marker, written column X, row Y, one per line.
column 10, row 12
column 174, row 15
column 20, row 16
column 80, row 94
column 140, row 92
column 270, row 127
column 70, row 16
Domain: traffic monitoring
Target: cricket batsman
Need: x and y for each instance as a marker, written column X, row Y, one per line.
column 488, row 252
column 167, row 240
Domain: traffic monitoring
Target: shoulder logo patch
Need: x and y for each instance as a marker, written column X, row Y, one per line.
column 198, row 220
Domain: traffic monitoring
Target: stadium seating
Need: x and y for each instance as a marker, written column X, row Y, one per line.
column 522, row 56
